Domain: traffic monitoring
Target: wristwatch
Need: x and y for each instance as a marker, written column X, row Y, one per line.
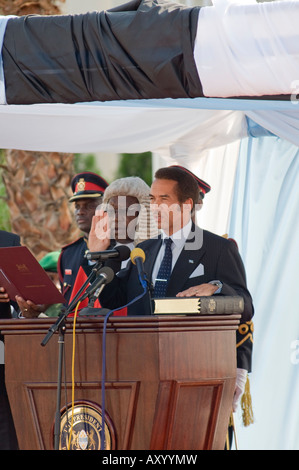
column 218, row 284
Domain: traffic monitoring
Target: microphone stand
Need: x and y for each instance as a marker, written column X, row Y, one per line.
column 148, row 288
column 90, row 310
column 66, row 311
column 60, row 325
column 149, row 293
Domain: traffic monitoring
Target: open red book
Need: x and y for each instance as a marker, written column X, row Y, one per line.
column 21, row 274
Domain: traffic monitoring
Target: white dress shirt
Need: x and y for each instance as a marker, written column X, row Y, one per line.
column 179, row 239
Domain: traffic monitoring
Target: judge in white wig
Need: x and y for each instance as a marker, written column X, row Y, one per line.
column 127, row 197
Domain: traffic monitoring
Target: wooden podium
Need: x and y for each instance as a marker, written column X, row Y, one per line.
column 169, row 379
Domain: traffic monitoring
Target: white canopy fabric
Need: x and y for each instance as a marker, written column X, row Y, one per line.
column 264, row 221
column 133, row 126
column 202, row 134
column 245, row 48
column 114, row 127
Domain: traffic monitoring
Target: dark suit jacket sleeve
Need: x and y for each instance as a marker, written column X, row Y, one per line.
column 126, row 289
column 231, row 272
column 114, row 294
column 9, row 239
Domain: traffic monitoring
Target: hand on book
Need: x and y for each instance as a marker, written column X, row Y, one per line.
column 28, row 308
column 199, row 291
column 3, row 295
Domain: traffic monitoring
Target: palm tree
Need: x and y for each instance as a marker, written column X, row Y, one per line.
column 27, row 7
column 38, row 183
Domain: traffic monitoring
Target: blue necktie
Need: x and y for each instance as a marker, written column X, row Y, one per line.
column 164, row 271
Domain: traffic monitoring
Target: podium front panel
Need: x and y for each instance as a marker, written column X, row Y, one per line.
column 169, row 380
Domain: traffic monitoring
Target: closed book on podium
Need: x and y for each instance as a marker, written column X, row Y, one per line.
column 217, row 305
column 21, row 274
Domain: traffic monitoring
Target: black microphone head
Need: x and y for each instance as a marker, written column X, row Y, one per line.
column 108, row 272
column 124, row 252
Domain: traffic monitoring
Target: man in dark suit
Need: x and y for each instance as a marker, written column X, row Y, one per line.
column 203, row 264
column 8, row 440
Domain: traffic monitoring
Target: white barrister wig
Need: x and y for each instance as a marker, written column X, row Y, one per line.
column 134, row 186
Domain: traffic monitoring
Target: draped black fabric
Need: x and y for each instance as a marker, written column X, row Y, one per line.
column 141, row 50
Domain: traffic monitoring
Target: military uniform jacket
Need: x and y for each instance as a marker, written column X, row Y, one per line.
column 73, row 268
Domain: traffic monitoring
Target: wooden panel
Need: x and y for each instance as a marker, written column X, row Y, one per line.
column 186, row 415
column 121, row 404
column 195, row 408
column 169, row 380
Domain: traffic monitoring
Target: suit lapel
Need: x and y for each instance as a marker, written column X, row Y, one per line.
column 187, row 262
column 151, row 252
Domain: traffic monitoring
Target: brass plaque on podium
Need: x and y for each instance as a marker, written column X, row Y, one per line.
column 81, row 428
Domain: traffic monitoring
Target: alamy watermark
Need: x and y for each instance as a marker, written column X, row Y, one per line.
column 295, row 92
column 295, row 352
column 145, row 221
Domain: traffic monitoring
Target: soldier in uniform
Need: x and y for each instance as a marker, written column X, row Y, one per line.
column 73, row 268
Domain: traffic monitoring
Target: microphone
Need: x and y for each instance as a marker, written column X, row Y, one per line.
column 120, row 252
column 138, row 257
column 105, row 276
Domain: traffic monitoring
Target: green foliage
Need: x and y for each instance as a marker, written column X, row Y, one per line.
column 136, row 164
column 85, row 162
column 131, row 164
column 4, row 211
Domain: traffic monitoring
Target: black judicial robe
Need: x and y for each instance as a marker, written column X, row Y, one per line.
column 140, row 50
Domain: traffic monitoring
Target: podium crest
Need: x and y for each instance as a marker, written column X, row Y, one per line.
column 85, row 434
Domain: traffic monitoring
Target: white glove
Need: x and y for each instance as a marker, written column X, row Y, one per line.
column 240, row 387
